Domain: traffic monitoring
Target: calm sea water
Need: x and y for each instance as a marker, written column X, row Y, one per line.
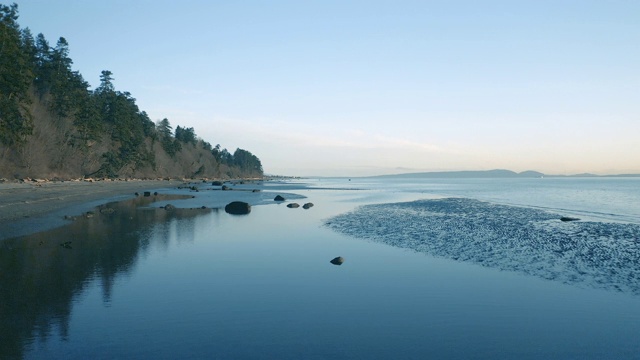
column 433, row 269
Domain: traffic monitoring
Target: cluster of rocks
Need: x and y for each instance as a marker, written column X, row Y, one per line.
column 146, row 194
column 306, row 206
column 100, row 179
column 83, row 179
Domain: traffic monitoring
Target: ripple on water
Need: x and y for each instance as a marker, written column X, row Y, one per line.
column 525, row 240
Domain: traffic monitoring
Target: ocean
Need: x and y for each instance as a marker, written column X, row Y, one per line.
column 433, row 268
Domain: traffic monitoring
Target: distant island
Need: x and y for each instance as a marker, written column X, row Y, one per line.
column 490, row 174
column 52, row 126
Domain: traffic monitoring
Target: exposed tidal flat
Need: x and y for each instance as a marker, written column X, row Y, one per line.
column 423, row 274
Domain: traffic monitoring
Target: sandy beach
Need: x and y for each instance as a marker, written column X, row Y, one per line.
column 30, row 207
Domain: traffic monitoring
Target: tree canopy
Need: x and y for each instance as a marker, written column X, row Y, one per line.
column 33, row 70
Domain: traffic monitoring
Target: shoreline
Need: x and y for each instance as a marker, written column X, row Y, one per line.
column 27, row 208
column 30, row 207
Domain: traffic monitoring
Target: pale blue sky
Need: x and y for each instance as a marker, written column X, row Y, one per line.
column 370, row 87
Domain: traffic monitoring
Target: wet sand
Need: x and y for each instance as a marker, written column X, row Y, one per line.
column 28, row 208
column 31, row 207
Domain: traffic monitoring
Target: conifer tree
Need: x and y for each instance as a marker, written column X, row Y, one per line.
column 15, row 78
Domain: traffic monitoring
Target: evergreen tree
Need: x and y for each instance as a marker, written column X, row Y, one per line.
column 170, row 144
column 247, row 162
column 43, row 64
column 67, row 87
column 186, row 135
column 29, row 48
column 15, row 78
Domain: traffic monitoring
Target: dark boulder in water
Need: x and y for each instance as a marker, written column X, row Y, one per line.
column 217, row 183
column 567, row 218
column 293, row 205
column 279, row 198
column 169, row 207
column 307, row 206
column 337, row 261
column 238, row 208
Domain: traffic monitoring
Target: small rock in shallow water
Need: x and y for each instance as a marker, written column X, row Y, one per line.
column 337, row 261
column 278, row 198
column 293, row 205
column 307, row 205
column 567, row 218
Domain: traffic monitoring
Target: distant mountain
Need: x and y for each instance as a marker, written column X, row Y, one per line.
column 490, row 174
column 531, row 174
column 487, row 174
column 589, row 175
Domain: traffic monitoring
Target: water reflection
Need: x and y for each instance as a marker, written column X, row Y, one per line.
column 42, row 274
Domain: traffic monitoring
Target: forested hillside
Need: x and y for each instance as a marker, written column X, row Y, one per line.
column 53, row 126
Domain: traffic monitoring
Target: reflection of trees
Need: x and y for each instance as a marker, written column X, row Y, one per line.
column 39, row 278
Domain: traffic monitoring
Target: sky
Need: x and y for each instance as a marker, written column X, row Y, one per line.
column 352, row 88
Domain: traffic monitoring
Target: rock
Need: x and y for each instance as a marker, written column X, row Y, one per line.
column 238, row 208
column 107, row 211
column 293, row 205
column 203, row 207
column 279, row 198
column 217, row 183
column 567, row 218
column 147, row 193
column 66, row 245
column 169, row 207
column 337, row 261
column 225, row 187
column 137, row 194
column 255, row 190
column 307, row 206
column 155, row 193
